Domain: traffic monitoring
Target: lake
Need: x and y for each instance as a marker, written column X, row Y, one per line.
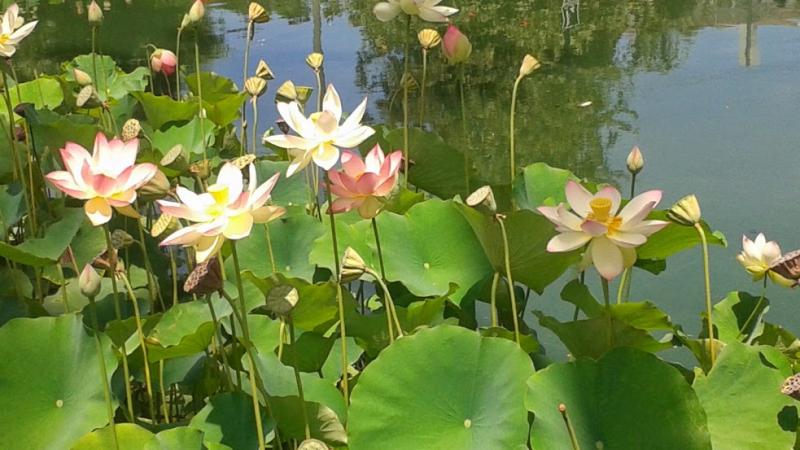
column 708, row 89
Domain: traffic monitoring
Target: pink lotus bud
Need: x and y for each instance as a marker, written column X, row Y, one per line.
column 455, row 45
column 95, row 13
column 163, row 61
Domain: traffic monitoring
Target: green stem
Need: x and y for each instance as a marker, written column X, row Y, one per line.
column 622, row 283
column 318, row 76
column 248, row 345
column 200, row 96
column 269, row 249
column 755, row 310
column 511, row 292
column 164, row 404
column 633, row 185
column 391, row 310
column 151, row 285
column 248, row 41
column 173, row 266
column 14, row 151
column 255, row 125
column 404, row 80
column 512, row 118
column 103, row 370
column 140, row 331
column 422, row 87
column 378, row 245
column 707, row 277
column 573, row 439
column 178, row 64
column 219, row 346
column 495, row 281
column 95, row 80
column 464, row 130
column 298, row 380
column 64, row 295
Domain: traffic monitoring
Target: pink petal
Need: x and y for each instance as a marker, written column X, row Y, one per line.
column 352, row 164
column 648, row 227
column 594, row 228
column 262, row 194
column 645, row 201
column 74, row 156
column 578, row 198
column 344, row 204
column 98, row 210
column 65, row 183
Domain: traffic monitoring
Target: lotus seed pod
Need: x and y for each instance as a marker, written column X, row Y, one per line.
column 263, row 71
column 256, row 13
column 312, row 444
column 121, row 239
column 243, row 161
column 791, row 387
column 281, row 299
column 315, row 60
column 686, row 211
column 158, row 187
column 483, row 198
column 303, row 94
column 81, row 77
column 529, row 65
column 206, row 278
column 89, row 282
column 287, row 92
column 635, row 160
column 164, row 223
column 86, row 94
column 175, row 159
column 95, row 14
column 130, row 130
column 429, row 38
column 353, row 266
column 255, row 86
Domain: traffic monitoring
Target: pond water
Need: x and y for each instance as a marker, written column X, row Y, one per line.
column 707, row 88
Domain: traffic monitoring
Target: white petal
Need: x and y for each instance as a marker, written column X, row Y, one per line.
column 332, row 103
column 231, row 177
column 578, row 198
column 606, row 257
column 568, row 241
column 385, row 11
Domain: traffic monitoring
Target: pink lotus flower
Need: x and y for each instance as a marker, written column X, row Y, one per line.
column 456, row 45
column 225, row 211
column 163, row 61
column 362, row 184
column 108, row 177
column 612, row 237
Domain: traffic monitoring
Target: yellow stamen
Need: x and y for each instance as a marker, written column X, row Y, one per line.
column 601, row 207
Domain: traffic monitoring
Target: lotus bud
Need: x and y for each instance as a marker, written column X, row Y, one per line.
column 455, row 45
column 158, row 187
column 315, row 60
column 206, row 278
column 163, row 61
column 263, row 71
column 353, row 266
column 529, row 65
column 185, row 21
column 312, row 444
column 686, row 211
column 81, row 77
column 255, row 86
column 635, row 160
column 287, row 92
column 197, row 11
column 281, row 299
column 256, row 13
column 121, row 239
column 429, row 38
column 130, row 130
column 89, row 282
column 95, row 13
column 483, row 198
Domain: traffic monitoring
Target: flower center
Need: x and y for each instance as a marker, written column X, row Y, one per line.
column 220, row 195
column 601, row 212
column 4, row 38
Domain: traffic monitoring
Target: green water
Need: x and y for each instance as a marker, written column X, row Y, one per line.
column 708, row 89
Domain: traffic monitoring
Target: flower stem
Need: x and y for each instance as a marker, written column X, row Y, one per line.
column 248, row 40
column 173, row 265
column 140, row 331
column 573, row 439
column 269, row 249
column 404, row 80
column 103, row 369
column 64, row 295
column 511, row 292
column 152, row 289
column 297, row 379
column 318, row 76
column 755, row 310
column 339, row 299
column 710, row 322
column 464, row 129
column 378, row 245
column 220, row 345
column 622, row 283
column 254, row 127
column 178, row 64
column 164, row 404
column 422, row 86
column 633, row 185
column 248, row 345
column 391, row 311
column 15, row 153
column 495, row 281
column 512, row 118
column 201, row 112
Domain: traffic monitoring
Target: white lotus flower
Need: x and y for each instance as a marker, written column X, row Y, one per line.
column 612, row 236
column 427, row 10
column 13, row 29
column 320, row 136
column 758, row 256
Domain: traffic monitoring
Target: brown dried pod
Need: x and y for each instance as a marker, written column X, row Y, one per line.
column 206, row 278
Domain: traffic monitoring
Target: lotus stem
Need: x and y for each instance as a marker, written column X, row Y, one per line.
column 173, row 266
column 255, row 125
column 318, row 76
column 243, row 134
column 511, row 135
column 169, row 87
column 94, row 56
column 220, row 345
column 755, row 310
column 15, row 152
column 103, row 369
column 297, row 378
column 464, row 130
column 633, row 185
column 152, row 290
column 378, row 245
column 573, row 439
column 64, row 295
column 495, row 281
column 391, row 311
column 140, row 331
column 248, row 345
column 511, row 293
column 622, row 283
column 339, row 299
column 707, row 278
column 281, row 336
column 29, row 159
column 164, row 404
column 269, row 249
column 201, row 111
column 404, row 81
column 422, row 86
column 178, row 64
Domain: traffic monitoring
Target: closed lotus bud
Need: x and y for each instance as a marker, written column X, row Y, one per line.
column 185, row 21
column 158, row 187
column 95, row 13
column 312, row 444
column 121, row 239
column 255, row 86
column 456, row 45
column 206, row 278
column 81, row 77
column 263, row 71
column 89, row 282
column 197, row 11
column 483, row 198
column 635, row 160
column 353, row 266
column 163, row 61
column 529, row 65
column 686, row 211
column 256, row 13
column 315, row 60
column 429, row 38
column 130, row 130
column 287, row 92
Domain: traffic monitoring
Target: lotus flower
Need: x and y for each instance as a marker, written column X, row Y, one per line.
column 758, row 256
column 225, row 211
column 13, row 29
column 456, row 45
column 362, row 184
column 427, row 10
column 595, row 219
column 163, row 61
column 108, row 177
column 320, row 136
